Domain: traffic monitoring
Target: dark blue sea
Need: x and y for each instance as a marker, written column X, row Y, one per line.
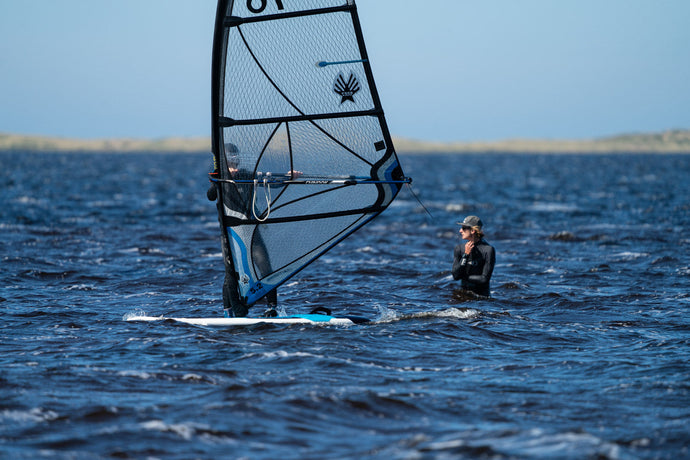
column 582, row 352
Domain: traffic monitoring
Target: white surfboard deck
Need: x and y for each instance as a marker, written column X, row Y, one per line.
column 225, row 322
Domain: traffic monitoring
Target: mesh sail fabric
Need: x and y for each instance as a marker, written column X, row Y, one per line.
column 304, row 153
column 289, row 58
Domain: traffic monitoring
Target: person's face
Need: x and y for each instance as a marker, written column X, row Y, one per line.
column 465, row 232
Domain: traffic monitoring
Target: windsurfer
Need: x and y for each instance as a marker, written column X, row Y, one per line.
column 237, row 198
column 474, row 261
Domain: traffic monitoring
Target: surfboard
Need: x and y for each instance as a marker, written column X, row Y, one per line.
column 310, row 319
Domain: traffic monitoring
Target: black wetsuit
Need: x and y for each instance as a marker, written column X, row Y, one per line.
column 238, row 200
column 476, row 268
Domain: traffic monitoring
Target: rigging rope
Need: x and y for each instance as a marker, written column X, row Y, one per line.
column 409, row 187
column 267, row 195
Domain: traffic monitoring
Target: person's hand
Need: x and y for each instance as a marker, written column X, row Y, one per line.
column 295, row 174
column 469, row 246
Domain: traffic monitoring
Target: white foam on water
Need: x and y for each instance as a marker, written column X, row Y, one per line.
column 387, row 315
column 37, row 415
column 140, row 374
column 134, row 314
column 184, row 430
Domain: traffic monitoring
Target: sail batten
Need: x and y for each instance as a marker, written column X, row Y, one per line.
column 300, row 143
column 233, row 221
column 227, row 122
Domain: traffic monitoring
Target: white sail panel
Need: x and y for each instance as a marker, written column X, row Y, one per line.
column 254, row 8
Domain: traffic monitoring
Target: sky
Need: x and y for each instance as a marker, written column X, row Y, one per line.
column 446, row 70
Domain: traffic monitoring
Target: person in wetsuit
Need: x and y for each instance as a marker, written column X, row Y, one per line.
column 238, row 198
column 474, row 261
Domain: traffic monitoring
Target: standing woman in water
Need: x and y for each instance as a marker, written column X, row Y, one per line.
column 474, row 261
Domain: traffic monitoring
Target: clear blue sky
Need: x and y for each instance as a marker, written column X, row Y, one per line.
column 446, row 69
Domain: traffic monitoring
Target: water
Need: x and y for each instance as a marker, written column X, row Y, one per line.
column 581, row 353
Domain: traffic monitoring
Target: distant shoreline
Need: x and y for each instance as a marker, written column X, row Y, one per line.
column 672, row 141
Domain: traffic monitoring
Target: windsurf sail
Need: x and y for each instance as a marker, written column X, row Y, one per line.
column 302, row 153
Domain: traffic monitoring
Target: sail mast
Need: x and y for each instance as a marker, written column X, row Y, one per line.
column 217, row 75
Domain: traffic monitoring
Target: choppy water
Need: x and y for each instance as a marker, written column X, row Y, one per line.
column 581, row 353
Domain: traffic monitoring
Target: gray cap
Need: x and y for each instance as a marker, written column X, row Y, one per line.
column 471, row 221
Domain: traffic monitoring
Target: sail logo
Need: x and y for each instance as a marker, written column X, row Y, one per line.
column 346, row 88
